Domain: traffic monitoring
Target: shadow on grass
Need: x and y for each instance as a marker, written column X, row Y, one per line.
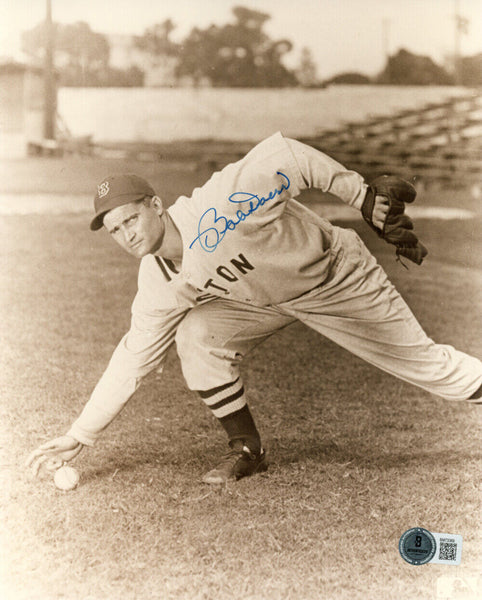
column 281, row 456
column 327, row 453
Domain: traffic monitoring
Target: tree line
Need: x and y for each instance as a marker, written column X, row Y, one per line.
column 236, row 54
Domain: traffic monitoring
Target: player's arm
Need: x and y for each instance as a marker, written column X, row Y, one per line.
column 140, row 351
column 382, row 203
column 320, row 171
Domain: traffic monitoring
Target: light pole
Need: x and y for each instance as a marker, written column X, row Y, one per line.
column 461, row 27
column 386, row 46
column 49, row 77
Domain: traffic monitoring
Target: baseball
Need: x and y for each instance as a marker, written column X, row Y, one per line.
column 66, row 478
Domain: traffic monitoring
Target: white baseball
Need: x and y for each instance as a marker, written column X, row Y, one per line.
column 66, row 478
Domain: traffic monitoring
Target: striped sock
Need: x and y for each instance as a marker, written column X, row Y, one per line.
column 228, row 404
column 225, row 399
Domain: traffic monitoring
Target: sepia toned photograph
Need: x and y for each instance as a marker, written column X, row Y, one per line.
column 241, row 290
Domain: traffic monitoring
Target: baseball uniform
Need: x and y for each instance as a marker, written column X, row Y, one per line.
column 254, row 260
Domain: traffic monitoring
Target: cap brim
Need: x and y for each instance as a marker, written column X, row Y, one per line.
column 98, row 221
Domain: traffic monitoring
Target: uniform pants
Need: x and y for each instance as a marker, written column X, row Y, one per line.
column 357, row 307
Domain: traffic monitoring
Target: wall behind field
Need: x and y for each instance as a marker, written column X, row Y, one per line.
column 167, row 114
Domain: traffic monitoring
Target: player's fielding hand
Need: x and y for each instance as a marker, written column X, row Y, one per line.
column 384, row 210
column 56, row 452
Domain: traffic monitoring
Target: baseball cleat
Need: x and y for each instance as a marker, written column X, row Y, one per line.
column 237, row 464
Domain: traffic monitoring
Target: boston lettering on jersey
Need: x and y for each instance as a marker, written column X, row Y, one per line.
column 238, row 266
column 213, row 227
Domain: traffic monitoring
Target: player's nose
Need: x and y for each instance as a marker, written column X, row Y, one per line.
column 129, row 234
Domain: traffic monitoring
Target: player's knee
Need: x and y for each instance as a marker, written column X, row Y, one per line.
column 192, row 335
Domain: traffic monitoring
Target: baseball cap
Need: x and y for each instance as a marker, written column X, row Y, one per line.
column 117, row 190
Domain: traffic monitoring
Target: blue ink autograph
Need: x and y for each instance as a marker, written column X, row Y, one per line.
column 212, row 228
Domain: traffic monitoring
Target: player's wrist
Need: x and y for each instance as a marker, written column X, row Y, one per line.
column 79, row 437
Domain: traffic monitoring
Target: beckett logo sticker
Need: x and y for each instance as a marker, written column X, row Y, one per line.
column 103, row 189
column 417, row 546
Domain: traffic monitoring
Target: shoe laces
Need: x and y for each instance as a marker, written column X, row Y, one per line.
column 239, row 453
column 251, row 455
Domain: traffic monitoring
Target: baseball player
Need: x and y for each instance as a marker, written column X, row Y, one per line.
column 240, row 259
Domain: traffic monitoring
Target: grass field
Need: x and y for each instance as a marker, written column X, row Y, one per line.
column 356, row 457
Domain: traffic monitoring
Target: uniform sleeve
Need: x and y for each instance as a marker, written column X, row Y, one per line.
column 156, row 314
column 322, row 172
column 271, row 173
column 140, row 351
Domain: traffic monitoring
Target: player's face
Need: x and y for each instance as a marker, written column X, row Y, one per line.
column 137, row 227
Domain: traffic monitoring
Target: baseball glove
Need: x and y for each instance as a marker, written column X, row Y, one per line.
column 397, row 227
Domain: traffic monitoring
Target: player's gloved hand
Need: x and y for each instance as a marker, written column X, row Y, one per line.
column 54, row 453
column 384, row 210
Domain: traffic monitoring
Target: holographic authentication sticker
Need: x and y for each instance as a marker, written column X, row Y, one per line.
column 417, row 546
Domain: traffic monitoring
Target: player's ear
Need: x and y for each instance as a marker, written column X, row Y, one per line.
column 157, row 204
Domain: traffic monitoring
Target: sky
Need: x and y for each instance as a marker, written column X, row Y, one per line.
column 343, row 35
